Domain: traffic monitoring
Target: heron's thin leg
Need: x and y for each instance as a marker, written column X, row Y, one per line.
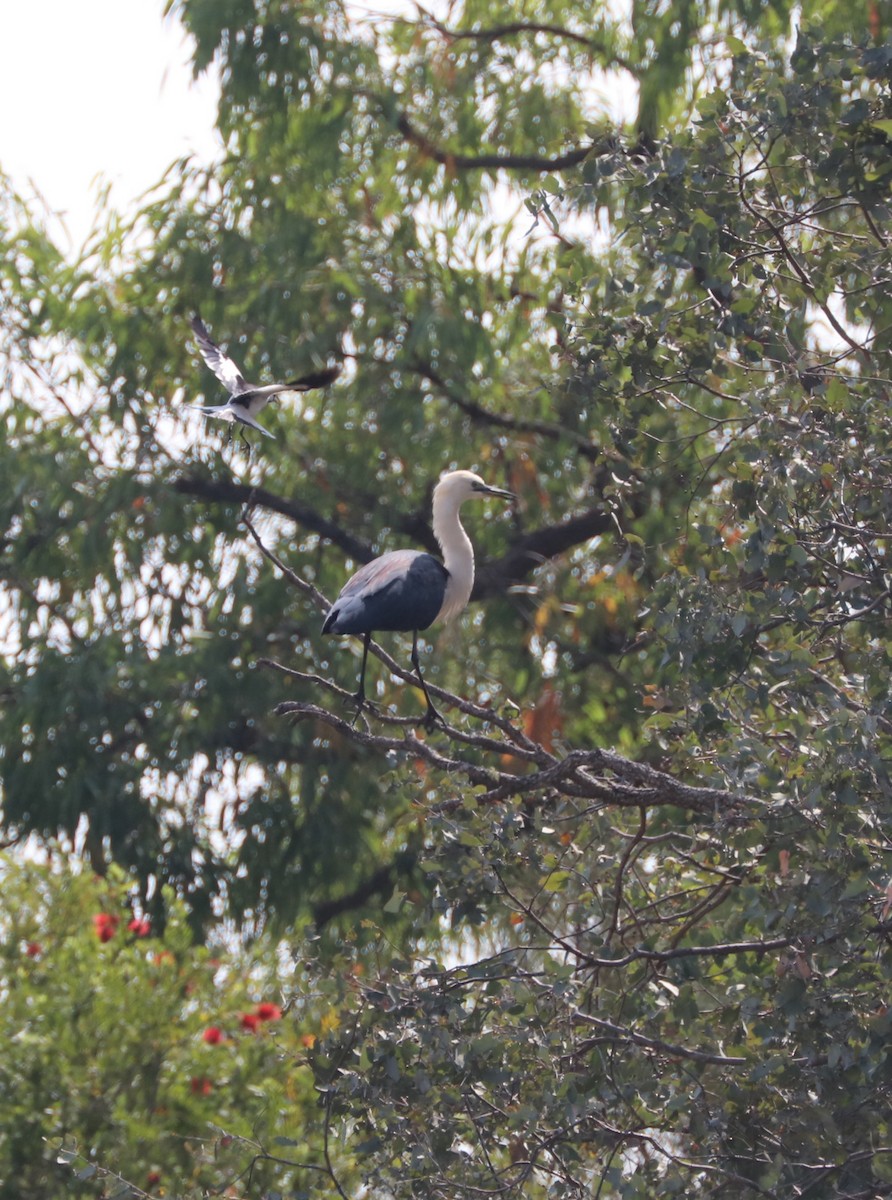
column 360, row 692
column 432, row 714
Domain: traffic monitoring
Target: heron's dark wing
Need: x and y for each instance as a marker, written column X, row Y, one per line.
column 402, row 590
column 224, row 368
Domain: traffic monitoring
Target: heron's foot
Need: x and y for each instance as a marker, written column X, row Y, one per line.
column 432, row 716
column 359, row 699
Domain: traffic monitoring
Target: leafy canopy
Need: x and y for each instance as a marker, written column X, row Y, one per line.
column 622, row 925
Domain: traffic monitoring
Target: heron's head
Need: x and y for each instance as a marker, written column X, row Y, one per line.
column 457, row 486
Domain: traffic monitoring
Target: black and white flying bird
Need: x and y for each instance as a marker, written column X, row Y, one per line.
column 247, row 399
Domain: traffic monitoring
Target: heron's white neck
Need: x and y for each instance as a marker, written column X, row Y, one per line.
column 458, row 554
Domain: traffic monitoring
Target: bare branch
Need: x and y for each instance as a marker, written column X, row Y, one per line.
column 618, row 1033
column 634, row 785
column 293, row 578
column 455, row 161
column 229, row 491
column 801, row 273
column 547, row 429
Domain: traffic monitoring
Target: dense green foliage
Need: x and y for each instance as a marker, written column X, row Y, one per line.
column 621, row 927
column 126, row 1049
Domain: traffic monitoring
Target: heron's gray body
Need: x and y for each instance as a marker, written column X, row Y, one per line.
column 407, row 590
column 400, row 591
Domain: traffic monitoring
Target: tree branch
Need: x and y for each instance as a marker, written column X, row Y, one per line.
column 617, row 1033
column 548, row 429
column 800, row 271
column 229, row 491
column 455, row 161
column 379, row 883
column 538, row 546
column 634, row 784
column 512, row 29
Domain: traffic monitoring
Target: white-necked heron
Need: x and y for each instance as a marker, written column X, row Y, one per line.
column 247, row 399
column 407, row 590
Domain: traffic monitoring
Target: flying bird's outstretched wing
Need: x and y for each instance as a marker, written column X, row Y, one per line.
column 315, row 379
column 224, row 368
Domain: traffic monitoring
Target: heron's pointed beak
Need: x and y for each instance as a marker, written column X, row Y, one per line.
column 494, row 491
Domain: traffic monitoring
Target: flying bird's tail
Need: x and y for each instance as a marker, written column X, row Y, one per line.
column 227, row 412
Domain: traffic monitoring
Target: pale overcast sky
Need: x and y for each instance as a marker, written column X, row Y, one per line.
column 94, row 88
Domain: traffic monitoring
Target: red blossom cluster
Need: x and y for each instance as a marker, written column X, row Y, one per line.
column 105, row 925
column 34, row 949
column 265, row 1011
column 251, row 1021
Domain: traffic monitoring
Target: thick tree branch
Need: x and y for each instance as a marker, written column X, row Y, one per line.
column 229, row 491
column 497, row 32
column 379, row 883
column 538, row 546
column 455, row 161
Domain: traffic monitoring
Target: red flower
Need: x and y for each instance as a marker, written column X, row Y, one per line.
column 140, row 928
column 212, row 1035
column 152, row 1178
column 105, row 925
column 249, row 1021
column 34, row 949
column 201, row 1085
column 268, row 1012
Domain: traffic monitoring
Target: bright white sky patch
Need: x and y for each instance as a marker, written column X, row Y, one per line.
column 97, row 90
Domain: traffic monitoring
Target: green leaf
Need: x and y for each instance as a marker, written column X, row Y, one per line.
column 395, row 903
